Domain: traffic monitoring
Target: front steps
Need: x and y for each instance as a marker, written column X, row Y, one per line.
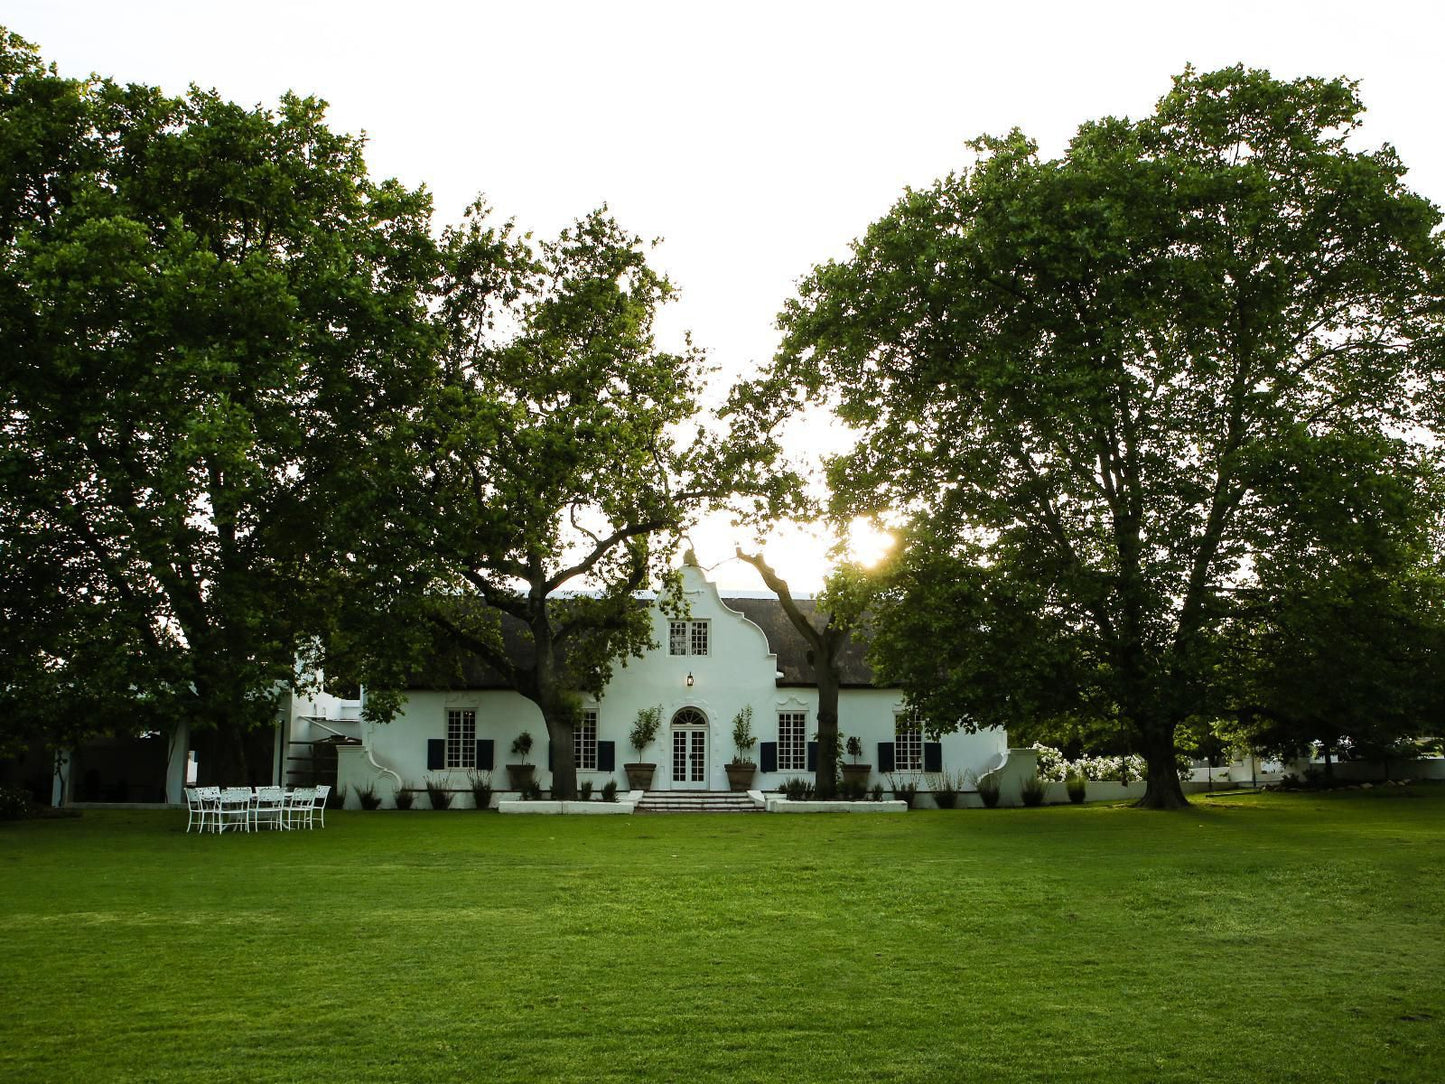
column 696, row 801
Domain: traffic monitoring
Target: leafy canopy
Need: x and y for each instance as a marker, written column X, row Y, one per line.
column 1096, row 389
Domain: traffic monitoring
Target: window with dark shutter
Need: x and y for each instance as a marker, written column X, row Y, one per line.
column 768, row 756
column 885, row 757
column 436, row 754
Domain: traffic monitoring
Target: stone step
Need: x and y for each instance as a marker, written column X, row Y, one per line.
column 672, row 801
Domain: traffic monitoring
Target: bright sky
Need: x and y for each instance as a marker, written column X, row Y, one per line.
column 756, row 139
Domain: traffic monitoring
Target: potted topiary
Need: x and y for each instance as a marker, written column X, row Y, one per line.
column 855, row 775
column 520, row 775
column 740, row 770
column 644, row 729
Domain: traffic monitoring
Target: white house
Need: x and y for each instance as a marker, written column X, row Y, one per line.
column 730, row 653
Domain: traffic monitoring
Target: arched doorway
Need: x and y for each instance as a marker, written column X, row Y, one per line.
column 689, row 750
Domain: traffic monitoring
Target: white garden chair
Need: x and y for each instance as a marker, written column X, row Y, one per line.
column 298, row 807
column 234, row 810
column 210, row 803
column 319, row 806
column 270, row 807
column 195, row 810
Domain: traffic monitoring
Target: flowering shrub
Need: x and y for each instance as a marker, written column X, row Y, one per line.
column 15, row 804
column 1054, row 768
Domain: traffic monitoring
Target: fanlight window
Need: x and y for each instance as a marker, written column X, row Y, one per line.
column 689, row 717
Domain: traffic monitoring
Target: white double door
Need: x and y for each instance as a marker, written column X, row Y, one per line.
column 689, row 758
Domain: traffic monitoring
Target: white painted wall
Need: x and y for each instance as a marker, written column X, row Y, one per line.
column 739, row 670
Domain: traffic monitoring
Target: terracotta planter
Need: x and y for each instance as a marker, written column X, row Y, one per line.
column 857, row 774
column 519, row 775
column 740, row 776
column 639, row 776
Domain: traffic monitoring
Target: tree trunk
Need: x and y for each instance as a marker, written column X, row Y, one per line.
column 1162, row 791
column 561, row 733
column 825, row 783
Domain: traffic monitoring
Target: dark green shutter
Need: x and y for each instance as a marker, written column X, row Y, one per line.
column 606, row 756
column 768, row 754
column 932, row 756
column 485, row 756
column 436, row 754
column 812, row 756
column 885, row 757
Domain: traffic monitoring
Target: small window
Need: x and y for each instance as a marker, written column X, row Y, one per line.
column 584, row 741
column 461, row 738
column 908, row 742
column 792, row 741
column 687, row 638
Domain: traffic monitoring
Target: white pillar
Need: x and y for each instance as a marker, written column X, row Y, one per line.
column 60, row 782
column 177, row 758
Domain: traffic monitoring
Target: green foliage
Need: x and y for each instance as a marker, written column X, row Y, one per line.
column 553, row 441
column 644, row 728
column 368, row 797
column 854, row 747
column 531, row 791
column 877, row 792
column 743, row 739
column 1120, row 399
column 1077, row 787
column 15, row 804
column 405, row 796
column 215, row 329
column 584, row 790
column 609, row 791
column 522, row 746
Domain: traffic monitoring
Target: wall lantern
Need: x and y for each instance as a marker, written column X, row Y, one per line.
column 689, row 679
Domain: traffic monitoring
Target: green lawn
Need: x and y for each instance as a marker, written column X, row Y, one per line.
column 1259, row 937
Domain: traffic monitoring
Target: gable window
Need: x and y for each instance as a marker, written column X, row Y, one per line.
column 461, row 738
column 687, row 638
column 908, row 742
column 584, row 741
column 792, row 741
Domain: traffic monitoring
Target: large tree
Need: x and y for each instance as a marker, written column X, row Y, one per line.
column 215, row 323
column 555, row 470
column 1088, row 384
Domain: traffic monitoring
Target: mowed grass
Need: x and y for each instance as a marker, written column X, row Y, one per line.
column 1259, row 937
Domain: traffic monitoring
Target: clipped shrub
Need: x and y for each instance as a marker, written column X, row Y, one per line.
column 15, row 804
column 405, row 796
column 1077, row 787
column 481, row 784
column 1031, row 790
column 437, row 794
column 988, row 789
column 584, row 791
column 531, row 791
column 609, row 791
column 877, row 792
column 367, row 797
